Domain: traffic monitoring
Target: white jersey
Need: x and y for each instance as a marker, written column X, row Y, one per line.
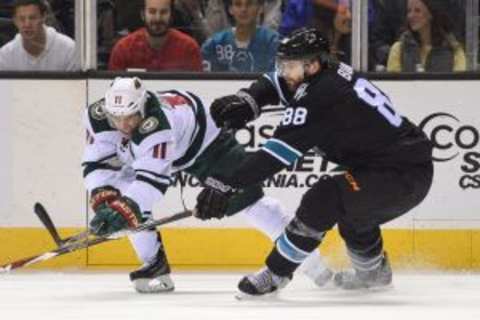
column 59, row 54
column 177, row 128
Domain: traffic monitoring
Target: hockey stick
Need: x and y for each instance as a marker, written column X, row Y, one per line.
column 44, row 217
column 67, row 248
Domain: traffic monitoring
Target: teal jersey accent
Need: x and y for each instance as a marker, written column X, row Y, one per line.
column 281, row 151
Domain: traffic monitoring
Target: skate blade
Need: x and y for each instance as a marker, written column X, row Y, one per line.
column 149, row 286
column 367, row 288
column 242, row 296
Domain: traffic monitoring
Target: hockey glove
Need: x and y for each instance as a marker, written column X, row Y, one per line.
column 112, row 217
column 234, row 111
column 103, row 195
column 212, row 202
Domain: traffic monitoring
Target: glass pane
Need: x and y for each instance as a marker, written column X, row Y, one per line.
column 38, row 37
column 7, row 28
column 417, row 35
column 242, row 37
column 332, row 17
column 155, row 38
column 107, row 32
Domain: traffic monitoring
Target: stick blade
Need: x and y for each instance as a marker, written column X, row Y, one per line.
column 38, row 208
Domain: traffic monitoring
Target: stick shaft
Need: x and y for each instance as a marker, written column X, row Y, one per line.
column 90, row 242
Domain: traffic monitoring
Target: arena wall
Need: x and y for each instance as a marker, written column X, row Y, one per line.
column 42, row 139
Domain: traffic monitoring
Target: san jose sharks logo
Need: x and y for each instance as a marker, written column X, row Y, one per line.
column 301, row 91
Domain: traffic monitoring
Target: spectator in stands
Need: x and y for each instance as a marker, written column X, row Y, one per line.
column 218, row 17
column 332, row 17
column 157, row 46
column 428, row 44
column 37, row 47
column 301, row 13
column 247, row 47
column 390, row 18
column 188, row 16
column 335, row 22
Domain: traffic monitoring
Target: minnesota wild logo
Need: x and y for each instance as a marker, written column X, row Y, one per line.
column 96, row 110
column 148, row 125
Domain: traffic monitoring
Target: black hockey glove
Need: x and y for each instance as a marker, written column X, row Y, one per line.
column 212, row 202
column 117, row 215
column 234, row 111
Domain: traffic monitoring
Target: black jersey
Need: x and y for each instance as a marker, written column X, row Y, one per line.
column 350, row 120
column 347, row 117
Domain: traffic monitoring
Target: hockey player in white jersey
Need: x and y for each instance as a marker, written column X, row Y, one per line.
column 136, row 141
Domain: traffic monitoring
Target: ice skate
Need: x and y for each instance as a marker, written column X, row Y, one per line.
column 153, row 277
column 380, row 277
column 320, row 277
column 260, row 284
column 316, row 270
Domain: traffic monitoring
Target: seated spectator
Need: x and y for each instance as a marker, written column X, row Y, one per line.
column 157, row 46
column 389, row 18
column 428, row 44
column 332, row 17
column 188, row 16
column 301, row 13
column 37, row 47
column 218, row 18
column 297, row 14
column 246, row 47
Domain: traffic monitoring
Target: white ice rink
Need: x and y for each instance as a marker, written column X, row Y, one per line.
column 94, row 295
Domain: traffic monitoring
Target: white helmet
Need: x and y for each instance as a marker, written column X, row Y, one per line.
column 126, row 96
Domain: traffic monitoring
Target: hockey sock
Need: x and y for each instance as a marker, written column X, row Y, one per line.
column 267, row 216
column 292, row 248
column 146, row 244
column 367, row 256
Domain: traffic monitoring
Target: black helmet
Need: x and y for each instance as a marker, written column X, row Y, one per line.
column 304, row 44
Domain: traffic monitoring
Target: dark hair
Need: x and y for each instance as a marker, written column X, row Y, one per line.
column 39, row 3
column 441, row 22
column 259, row 2
column 172, row 5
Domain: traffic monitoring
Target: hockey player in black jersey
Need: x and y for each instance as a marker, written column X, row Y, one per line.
column 352, row 123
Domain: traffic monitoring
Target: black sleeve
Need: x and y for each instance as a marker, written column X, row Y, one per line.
column 254, row 169
column 263, row 91
column 282, row 150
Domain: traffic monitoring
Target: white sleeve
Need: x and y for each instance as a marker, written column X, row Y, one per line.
column 100, row 162
column 73, row 59
column 3, row 60
column 153, row 169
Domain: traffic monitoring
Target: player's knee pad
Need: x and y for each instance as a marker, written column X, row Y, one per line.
column 320, row 206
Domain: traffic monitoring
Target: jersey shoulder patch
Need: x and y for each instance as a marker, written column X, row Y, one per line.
column 155, row 121
column 97, row 117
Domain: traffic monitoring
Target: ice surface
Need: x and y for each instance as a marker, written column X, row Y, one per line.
column 102, row 295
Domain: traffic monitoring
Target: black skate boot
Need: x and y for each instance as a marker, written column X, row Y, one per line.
column 153, row 277
column 380, row 277
column 264, row 282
